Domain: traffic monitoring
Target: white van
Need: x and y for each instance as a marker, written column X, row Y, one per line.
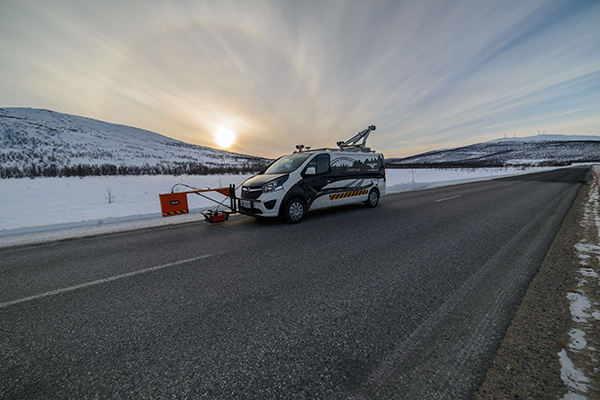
column 313, row 179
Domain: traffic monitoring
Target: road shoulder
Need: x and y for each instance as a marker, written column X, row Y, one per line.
column 528, row 363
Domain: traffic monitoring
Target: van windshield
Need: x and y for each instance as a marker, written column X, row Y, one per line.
column 287, row 164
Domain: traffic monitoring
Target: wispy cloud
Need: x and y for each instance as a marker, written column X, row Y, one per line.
column 429, row 74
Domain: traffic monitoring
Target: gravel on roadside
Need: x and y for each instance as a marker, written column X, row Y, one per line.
column 527, row 364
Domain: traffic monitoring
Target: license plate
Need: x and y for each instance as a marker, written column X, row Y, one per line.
column 245, row 203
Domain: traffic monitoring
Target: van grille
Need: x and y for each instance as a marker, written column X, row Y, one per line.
column 251, row 194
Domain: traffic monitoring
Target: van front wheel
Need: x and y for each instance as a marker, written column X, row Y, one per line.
column 295, row 210
column 373, row 199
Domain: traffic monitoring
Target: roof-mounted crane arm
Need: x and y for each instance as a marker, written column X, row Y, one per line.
column 352, row 143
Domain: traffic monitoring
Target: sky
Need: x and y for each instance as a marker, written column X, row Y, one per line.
column 429, row 74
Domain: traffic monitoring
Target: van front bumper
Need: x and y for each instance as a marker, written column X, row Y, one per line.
column 258, row 208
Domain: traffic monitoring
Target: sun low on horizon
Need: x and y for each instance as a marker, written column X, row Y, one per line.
column 224, row 137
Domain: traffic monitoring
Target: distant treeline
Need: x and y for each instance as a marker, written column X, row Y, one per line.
column 34, row 170
column 480, row 164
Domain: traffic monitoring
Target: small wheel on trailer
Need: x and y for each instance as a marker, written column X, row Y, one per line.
column 294, row 210
column 373, row 198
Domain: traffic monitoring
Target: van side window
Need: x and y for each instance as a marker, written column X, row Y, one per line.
column 322, row 163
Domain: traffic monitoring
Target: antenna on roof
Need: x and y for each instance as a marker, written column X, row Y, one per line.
column 352, row 143
column 301, row 148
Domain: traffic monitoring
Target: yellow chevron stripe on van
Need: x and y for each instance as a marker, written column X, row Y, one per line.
column 348, row 194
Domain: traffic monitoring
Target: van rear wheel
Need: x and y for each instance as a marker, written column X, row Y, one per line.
column 373, row 199
column 295, row 210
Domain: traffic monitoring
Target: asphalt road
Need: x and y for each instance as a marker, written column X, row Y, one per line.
column 407, row 300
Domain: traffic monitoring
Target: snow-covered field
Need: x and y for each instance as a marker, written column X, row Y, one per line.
column 55, row 207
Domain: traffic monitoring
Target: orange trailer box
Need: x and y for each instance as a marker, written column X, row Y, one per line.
column 173, row 204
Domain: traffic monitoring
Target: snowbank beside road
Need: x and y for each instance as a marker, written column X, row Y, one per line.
column 578, row 360
column 412, row 179
column 28, row 203
column 54, row 207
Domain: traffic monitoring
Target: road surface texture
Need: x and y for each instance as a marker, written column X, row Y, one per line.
column 409, row 300
column 527, row 364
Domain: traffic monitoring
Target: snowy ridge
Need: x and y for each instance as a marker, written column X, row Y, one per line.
column 547, row 138
column 542, row 150
column 37, row 142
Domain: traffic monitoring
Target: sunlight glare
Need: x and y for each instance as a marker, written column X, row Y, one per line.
column 224, row 137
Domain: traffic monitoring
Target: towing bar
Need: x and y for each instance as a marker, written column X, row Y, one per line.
column 175, row 203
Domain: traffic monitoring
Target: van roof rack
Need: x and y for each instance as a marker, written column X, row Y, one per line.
column 349, row 145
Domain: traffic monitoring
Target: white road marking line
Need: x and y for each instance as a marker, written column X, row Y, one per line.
column 506, row 185
column 448, row 198
column 101, row 281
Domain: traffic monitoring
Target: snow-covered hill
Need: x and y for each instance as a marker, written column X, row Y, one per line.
column 36, row 142
column 542, row 150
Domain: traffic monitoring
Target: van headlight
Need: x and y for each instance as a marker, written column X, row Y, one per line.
column 274, row 186
column 271, row 187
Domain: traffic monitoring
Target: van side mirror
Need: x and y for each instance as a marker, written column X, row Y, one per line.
column 310, row 171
